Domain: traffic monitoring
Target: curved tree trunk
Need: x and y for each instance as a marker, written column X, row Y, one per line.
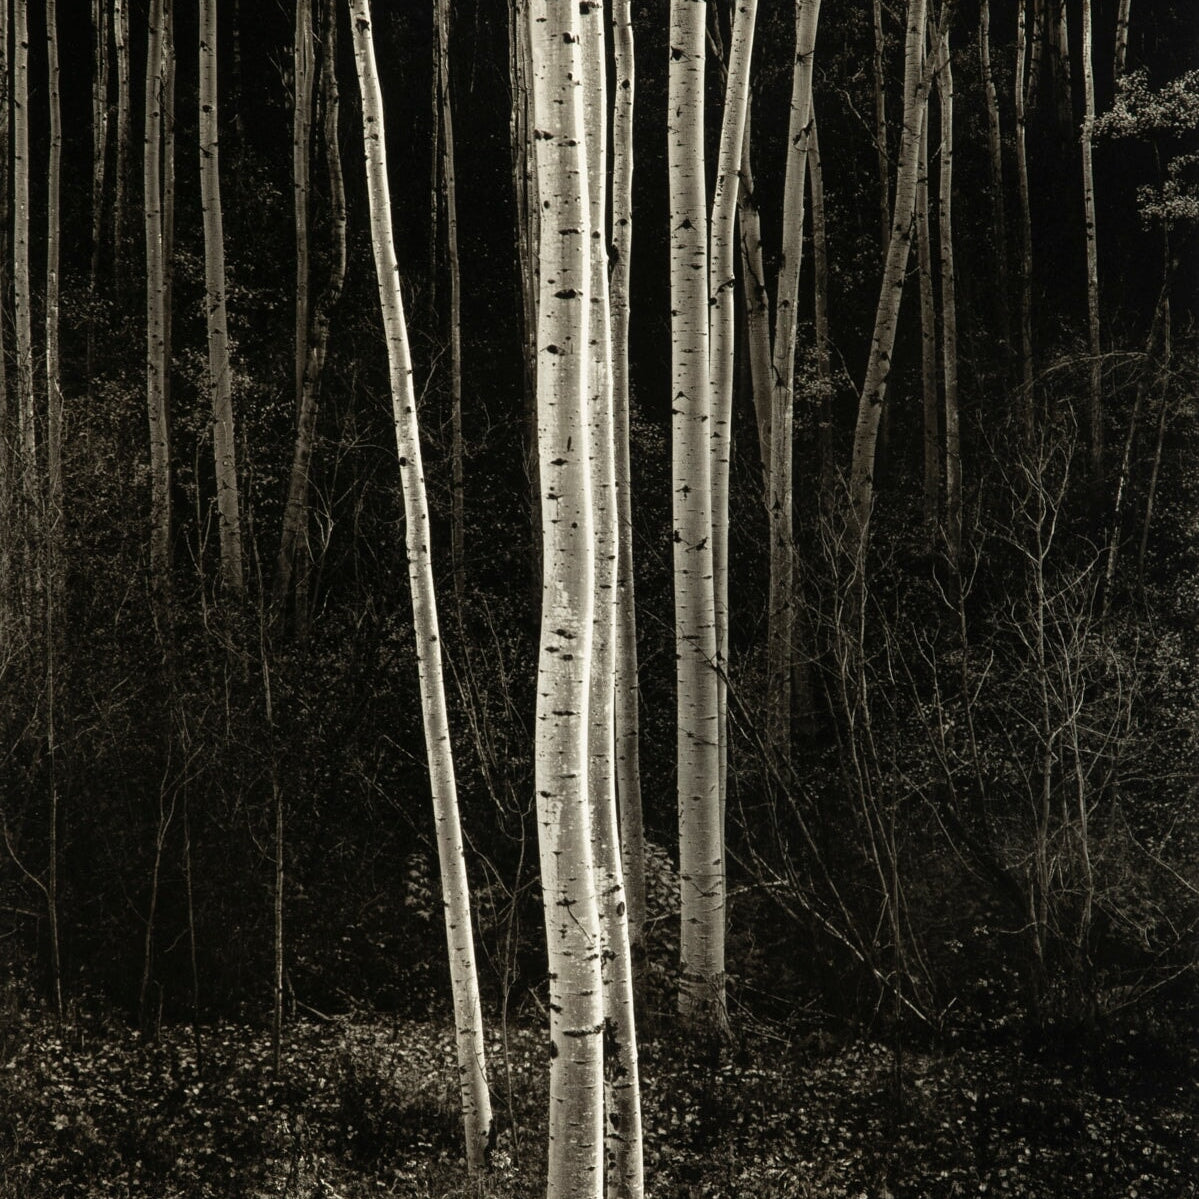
column 627, row 721
column 224, row 447
column 878, row 368
column 701, row 841
column 780, row 651
column 476, row 1104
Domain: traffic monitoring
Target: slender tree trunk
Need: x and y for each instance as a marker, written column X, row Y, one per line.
column 294, row 560
column 1120, row 60
column 1062, row 83
column 449, row 187
column 995, row 147
column 928, row 345
column 880, row 132
column 781, row 647
column 22, row 298
column 301, row 143
column 168, row 192
column 721, row 308
column 757, row 304
column 1026, row 360
column 120, row 33
column 53, row 255
column 99, row 159
column 1088, row 200
column 1162, row 415
column 627, row 718
column 156, row 352
column 701, row 841
column 622, row 1129
column 8, row 492
column 824, row 371
column 870, row 404
column 576, row 1132
column 1036, row 51
column 476, row 1104
column 949, row 319
column 219, row 375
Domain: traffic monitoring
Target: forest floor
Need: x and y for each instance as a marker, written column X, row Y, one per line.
column 366, row 1107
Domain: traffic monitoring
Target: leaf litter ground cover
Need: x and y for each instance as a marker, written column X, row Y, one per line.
column 367, row 1107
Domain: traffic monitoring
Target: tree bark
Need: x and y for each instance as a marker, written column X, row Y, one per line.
column 120, row 33
column 219, row 381
column 156, row 356
column 880, row 132
column 949, row 319
column 476, row 1104
column 53, row 256
column 1120, row 60
column 1088, row 200
column 928, row 345
column 301, row 142
column 99, row 157
column 824, row 371
column 627, row 718
column 1026, row 352
column 870, row 404
column 701, row 842
column 995, row 148
column 576, row 1132
column 22, row 298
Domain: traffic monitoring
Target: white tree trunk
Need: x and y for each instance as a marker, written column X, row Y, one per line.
column 701, row 841
column 568, row 577
column 1026, row 373
column 1088, row 199
column 928, row 344
column 468, row 1019
column 224, row 446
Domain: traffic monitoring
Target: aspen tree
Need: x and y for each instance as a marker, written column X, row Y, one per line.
column 757, row 299
column 7, row 494
column 293, row 558
column 701, row 840
column 22, row 299
column 721, row 326
column 779, row 503
column 156, row 349
column 301, row 153
column 880, row 130
column 99, row 154
column 1061, row 33
column 626, row 716
column 1036, row 36
column 1120, row 59
column 224, row 447
column 820, row 315
column 449, row 190
column 622, row 1125
column 870, row 403
column 1088, row 200
column 476, row 1103
column 995, row 147
column 1026, row 364
column 576, row 1132
column 949, row 320
column 928, row 344
column 120, row 34
column 53, row 256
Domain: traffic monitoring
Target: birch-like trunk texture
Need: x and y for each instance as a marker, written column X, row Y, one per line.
column 156, row 361
column 1088, row 202
column 468, row 1017
column 995, row 149
column 757, row 302
column 99, row 153
column 168, row 190
column 568, row 881
column 7, row 492
column 53, row 256
column 294, row 558
column 1036, row 49
column 224, row 447
column 301, row 143
column 1120, row 59
column 949, row 319
column 449, row 192
column 627, row 708
column 622, row 1124
column 1061, row 57
column 878, row 368
column 928, row 345
column 1026, row 364
column 22, row 298
column 721, row 325
column 880, row 131
column 120, row 34
column 820, row 316
column 701, row 839
column 780, row 650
